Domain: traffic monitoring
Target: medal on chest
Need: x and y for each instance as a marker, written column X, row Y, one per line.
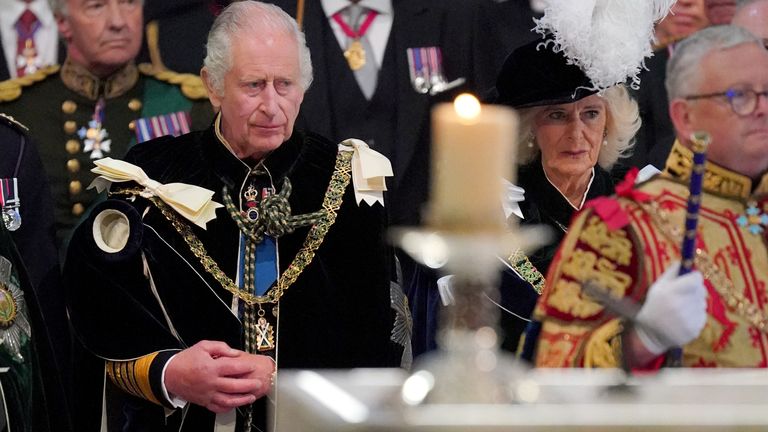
column 95, row 137
column 28, row 59
column 15, row 330
column 10, row 203
column 251, row 203
column 754, row 218
column 355, row 52
column 355, row 55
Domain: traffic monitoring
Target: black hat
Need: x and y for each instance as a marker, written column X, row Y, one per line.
column 534, row 75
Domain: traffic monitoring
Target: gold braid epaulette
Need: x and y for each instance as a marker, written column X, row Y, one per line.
column 520, row 262
column 11, row 89
column 191, row 85
column 334, row 195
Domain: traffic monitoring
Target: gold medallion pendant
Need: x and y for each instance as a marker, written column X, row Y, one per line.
column 265, row 335
column 355, row 55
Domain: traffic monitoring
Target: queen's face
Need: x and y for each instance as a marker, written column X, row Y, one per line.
column 570, row 136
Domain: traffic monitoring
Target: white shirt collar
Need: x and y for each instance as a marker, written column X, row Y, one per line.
column 383, row 7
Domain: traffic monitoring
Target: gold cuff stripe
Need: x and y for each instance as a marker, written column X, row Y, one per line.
column 133, row 376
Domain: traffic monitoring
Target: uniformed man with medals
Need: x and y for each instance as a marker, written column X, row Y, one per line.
column 34, row 336
column 98, row 102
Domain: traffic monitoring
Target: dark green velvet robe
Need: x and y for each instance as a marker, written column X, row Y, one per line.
column 337, row 314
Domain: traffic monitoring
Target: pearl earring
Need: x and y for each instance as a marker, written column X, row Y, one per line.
column 530, row 140
column 605, row 138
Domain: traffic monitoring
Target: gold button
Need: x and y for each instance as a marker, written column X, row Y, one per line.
column 72, row 146
column 75, row 187
column 134, row 105
column 78, row 209
column 70, row 126
column 132, row 125
column 73, row 165
column 68, row 107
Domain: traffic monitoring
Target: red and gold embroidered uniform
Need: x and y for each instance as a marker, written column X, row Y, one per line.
column 627, row 242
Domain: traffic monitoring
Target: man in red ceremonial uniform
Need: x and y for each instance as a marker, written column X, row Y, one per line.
column 630, row 244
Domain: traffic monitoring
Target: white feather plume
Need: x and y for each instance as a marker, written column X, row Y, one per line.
column 607, row 39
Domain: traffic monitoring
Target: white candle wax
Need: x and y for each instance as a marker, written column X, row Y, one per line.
column 472, row 150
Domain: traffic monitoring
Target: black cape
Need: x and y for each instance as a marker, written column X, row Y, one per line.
column 336, row 315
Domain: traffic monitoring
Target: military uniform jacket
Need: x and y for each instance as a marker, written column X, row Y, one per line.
column 337, row 314
column 58, row 102
column 627, row 258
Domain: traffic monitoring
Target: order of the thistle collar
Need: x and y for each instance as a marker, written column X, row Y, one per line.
column 274, row 215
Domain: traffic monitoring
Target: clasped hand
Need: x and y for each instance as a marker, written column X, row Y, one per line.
column 220, row 378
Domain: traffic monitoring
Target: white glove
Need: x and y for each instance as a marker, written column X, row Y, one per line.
column 674, row 312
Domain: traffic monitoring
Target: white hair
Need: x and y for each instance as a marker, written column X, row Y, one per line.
column 684, row 67
column 254, row 17
column 622, row 123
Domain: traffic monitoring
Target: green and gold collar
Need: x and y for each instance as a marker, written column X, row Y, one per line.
column 78, row 79
column 717, row 179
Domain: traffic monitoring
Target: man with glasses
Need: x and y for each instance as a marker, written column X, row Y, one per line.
column 718, row 83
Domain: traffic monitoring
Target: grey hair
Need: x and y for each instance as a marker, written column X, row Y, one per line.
column 684, row 68
column 59, row 7
column 622, row 123
column 255, row 17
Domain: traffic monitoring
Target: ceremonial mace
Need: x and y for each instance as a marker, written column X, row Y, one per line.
column 628, row 309
column 699, row 142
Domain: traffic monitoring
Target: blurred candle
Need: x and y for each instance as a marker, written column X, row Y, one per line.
column 472, row 150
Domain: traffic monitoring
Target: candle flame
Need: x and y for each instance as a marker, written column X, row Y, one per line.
column 466, row 106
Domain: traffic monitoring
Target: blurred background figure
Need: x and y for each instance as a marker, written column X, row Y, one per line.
column 416, row 53
column 34, row 333
column 686, row 17
column 720, row 11
column 753, row 16
column 30, row 38
column 176, row 32
column 99, row 102
column 656, row 135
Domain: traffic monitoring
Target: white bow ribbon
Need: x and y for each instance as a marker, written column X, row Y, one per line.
column 192, row 202
column 369, row 170
column 513, row 196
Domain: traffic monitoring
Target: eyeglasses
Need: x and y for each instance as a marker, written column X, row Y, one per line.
column 743, row 101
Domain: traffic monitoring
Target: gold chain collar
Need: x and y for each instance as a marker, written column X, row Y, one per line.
column 334, row 195
column 735, row 300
